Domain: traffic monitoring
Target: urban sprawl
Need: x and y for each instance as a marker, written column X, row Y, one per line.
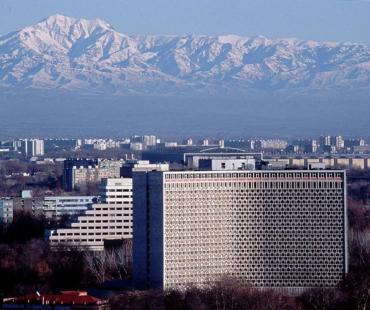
column 271, row 213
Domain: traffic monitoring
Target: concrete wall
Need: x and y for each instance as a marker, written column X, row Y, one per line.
column 148, row 229
column 140, row 230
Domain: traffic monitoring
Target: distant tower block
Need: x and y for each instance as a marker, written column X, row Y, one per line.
column 221, row 143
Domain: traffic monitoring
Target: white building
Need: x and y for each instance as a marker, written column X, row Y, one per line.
column 339, row 142
column 247, row 163
column 274, row 144
column 149, row 140
column 80, row 172
column 170, row 144
column 141, row 165
column 57, row 206
column 327, row 141
column 32, row 147
column 136, row 146
column 281, row 229
column 192, row 160
column 110, row 220
column 37, row 147
column 6, row 210
column 314, row 146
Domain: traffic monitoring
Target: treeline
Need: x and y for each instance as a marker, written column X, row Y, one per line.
column 358, row 185
column 42, row 178
column 352, row 294
column 28, row 264
column 226, row 294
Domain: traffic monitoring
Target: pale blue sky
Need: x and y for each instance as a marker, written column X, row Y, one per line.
column 335, row 20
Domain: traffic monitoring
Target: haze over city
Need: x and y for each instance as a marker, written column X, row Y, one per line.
column 121, row 67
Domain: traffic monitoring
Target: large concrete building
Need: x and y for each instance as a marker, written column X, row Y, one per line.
column 281, row 229
column 359, row 162
column 30, row 147
column 80, row 172
column 106, row 221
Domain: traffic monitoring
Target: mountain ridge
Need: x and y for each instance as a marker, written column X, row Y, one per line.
column 72, row 54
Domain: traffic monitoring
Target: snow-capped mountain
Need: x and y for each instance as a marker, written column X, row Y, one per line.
column 77, row 54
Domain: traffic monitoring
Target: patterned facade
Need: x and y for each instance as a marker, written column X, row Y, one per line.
column 283, row 229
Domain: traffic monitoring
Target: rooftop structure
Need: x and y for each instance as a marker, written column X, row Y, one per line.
column 191, row 160
column 141, row 165
column 225, row 163
column 66, row 300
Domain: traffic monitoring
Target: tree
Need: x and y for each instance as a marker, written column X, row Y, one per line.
column 110, row 264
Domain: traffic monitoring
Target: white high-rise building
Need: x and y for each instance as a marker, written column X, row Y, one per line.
column 339, row 143
column 282, row 229
column 110, row 220
column 32, row 147
column 37, row 147
column 149, row 140
column 314, row 146
column 252, row 144
column 221, row 143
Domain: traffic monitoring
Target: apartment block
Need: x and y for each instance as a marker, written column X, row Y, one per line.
column 273, row 229
column 80, row 172
column 110, row 220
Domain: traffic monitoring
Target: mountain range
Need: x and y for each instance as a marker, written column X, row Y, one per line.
column 90, row 56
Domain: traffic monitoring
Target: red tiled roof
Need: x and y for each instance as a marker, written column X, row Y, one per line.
column 66, row 297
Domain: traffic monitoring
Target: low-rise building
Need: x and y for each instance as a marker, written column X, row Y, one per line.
column 66, row 300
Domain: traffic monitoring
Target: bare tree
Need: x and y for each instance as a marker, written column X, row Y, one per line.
column 110, row 264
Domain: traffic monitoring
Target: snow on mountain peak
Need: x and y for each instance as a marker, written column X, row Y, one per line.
column 75, row 53
column 63, row 23
column 231, row 39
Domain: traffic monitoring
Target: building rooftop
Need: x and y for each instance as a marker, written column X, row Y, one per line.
column 64, row 298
